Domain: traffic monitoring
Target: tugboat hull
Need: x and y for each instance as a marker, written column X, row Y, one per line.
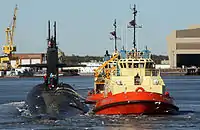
column 136, row 103
column 93, row 98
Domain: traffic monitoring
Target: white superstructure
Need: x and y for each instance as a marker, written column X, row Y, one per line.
column 89, row 69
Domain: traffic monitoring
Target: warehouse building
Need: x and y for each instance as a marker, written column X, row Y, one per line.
column 184, row 47
column 29, row 58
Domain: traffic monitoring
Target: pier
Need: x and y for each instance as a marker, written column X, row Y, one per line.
column 181, row 71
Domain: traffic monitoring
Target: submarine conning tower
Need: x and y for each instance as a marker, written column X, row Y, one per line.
column 52, row 76
column 52, row 53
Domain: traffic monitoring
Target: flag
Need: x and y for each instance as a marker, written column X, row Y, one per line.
column 113, row 33
column 132, row 23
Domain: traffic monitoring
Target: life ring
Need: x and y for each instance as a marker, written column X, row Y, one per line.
column 139, row 89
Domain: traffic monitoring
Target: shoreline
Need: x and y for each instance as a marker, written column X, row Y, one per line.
column 17, row 77
column 163, row 72
column 26, row 77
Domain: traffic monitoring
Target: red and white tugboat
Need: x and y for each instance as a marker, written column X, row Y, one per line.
column 131, row 85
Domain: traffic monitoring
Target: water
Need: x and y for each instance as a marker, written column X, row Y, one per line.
column 185, row 90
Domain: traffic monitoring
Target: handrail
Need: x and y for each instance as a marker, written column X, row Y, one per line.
column 109, row 71
column 97, row 71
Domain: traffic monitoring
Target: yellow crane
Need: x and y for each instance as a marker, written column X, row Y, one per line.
column 9, row 48
column 99, row 80
column 98, row 70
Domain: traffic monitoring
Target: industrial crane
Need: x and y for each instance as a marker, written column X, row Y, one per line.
column 9, row 48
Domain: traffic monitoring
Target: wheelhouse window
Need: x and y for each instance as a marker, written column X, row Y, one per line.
column 149, row 65
column 130, row 65
column 124, row 65
column 121, row 65
column 141, row 65
column 136, row 65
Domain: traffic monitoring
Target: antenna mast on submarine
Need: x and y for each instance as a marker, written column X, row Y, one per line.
column 52, row 53
column 133, row 25
column 55, row 33
column 49, row 32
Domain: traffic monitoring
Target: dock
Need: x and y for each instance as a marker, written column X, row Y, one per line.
column 181, row 71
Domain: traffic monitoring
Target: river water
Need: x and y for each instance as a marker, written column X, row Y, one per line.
column 185, row 90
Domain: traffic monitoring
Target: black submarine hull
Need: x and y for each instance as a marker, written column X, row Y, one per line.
column 62, row 101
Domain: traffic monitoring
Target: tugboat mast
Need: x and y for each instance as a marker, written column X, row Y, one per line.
column 135, row 12
column 114, row 34
column 133, row 24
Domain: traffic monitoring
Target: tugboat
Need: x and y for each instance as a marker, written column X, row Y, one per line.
column 131, row 85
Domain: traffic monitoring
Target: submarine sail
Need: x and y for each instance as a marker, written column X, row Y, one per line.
column 52, row 97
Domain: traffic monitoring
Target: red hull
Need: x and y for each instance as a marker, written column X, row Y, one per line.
column 93, row 98
column 136, row 103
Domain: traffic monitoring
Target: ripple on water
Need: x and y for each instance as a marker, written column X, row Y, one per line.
column 185, row 90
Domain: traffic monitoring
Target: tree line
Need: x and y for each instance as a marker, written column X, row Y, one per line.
column 158, row 58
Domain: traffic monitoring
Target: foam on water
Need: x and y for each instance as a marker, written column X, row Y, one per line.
column 16, row 104
column 14, row 108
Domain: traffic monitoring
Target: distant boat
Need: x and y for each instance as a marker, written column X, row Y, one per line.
column 89, row 69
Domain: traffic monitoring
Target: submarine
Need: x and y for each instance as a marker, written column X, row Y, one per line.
column 51, row 97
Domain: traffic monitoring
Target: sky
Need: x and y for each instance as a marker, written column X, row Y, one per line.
column 83, row 26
